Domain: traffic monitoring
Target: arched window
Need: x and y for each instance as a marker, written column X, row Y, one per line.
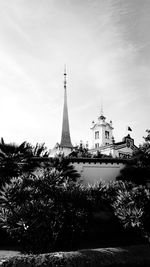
column 97, row 135
column 106, row 134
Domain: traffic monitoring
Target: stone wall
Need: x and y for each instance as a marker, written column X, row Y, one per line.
column 95, row 170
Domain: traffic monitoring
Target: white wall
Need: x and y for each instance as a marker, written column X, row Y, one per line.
column 95, row 172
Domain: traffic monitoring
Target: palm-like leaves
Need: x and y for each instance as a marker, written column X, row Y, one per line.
column 64, row 166
column 18, row 159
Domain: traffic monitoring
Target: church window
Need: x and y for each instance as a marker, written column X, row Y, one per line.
column 97, row 135
column 96, row 145
column 106, row 134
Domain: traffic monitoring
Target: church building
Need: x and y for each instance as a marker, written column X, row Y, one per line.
column 103, row 140
column 102, row 136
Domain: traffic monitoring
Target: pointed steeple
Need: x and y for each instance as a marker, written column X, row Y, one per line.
column 65, row 135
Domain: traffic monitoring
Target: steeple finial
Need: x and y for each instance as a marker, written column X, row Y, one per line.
column 101, row 117
column 101, row 109
column 65, row 74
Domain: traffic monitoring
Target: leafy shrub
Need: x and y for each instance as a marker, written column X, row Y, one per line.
column 64, row 166
column 51, row 211
column 43, row 212
column 132, row 207
column 135, row 173
column 16, row 160
column 138, row 170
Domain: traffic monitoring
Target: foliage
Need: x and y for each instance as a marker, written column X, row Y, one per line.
column 111, row 190
column 18, row 159
column 43, row 212
column 39, row 150
column 138, row 170
column 147, row 140
column 132, row 207
column 52, row 211
column 66, row 169
column 81, row 151
column 134, row 173
column 130, row 203
column 97, row 198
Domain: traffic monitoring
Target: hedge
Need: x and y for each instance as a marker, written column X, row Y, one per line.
column 133, row 256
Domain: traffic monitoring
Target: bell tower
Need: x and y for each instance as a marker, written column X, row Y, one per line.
column 101, row 132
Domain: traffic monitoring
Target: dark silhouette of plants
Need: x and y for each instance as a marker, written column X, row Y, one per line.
column 132, row 207
column 43, row 212
column 18, row 159
column 65, row 168
column 81, row 151
column 138, row 169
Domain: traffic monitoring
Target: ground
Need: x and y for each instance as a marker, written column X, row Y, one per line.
column 5, row 254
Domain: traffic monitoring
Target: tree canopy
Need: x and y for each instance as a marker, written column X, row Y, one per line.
column 18, row 159
column 138, row 170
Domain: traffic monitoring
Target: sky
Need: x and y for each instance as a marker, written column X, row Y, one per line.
column 105, row 45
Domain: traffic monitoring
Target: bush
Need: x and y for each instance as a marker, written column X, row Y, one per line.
column 132, row 207
column 16, row 160
column 43, row 212
column 67, row 170
column 135, row 174
column 138, row 170
column 50, row 212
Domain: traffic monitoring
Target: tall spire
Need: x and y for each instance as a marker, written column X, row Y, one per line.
column 65, row 135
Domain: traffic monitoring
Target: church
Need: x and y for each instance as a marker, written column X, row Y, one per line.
column 102, row 137
column 103, row 140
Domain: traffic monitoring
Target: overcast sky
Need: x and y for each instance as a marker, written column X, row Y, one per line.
column 106, row 47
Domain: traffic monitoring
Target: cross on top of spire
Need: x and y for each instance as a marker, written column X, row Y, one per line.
column 101, row 109
column 65, row 80
column 101, row 117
